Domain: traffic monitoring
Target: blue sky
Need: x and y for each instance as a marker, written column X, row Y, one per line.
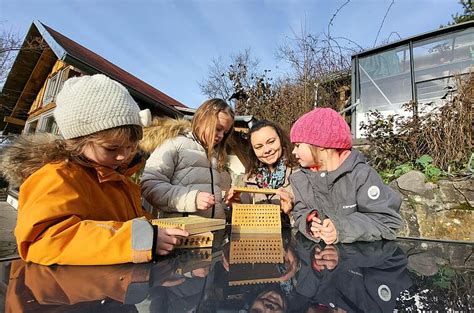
column 170, row 44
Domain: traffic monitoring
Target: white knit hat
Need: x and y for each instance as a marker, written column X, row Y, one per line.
column 89, row 104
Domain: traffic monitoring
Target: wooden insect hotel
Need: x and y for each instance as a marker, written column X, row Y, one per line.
column 256, row 218
column 255, row 259
column 199, row 229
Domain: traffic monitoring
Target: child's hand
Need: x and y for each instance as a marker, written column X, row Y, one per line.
column 225, row 256
column 327, row 258
column 328, row 232
column 232, row 197
column 286, row 200
column 200, row 272
column 291, row 262
column 167, row 239
column 205, row 200
column 315, row 228
column 314, row 224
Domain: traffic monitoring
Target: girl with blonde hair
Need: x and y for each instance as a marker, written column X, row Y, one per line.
column 183, row 174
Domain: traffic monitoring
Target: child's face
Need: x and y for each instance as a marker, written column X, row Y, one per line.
column 223, row 126
column 270, row 301
column 110, row 153
column 303, row 154
column 266, row 145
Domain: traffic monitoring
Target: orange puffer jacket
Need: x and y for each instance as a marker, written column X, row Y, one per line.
column 72, row 214
column 36, row 288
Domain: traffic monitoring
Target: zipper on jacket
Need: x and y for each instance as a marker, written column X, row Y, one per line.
column 212, row 190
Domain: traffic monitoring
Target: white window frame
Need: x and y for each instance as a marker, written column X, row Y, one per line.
column 28, row 126
column 55, row 84
column 43, row 123
column 51, row 88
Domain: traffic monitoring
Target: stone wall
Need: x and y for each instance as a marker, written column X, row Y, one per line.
column 438, row 211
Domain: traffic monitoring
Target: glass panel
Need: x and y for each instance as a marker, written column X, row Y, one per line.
column 32, row 127
column 50, row 125
column 60, row 86
column 433, row 90
column 50, row 89
column 444, row 55
column 385, row 83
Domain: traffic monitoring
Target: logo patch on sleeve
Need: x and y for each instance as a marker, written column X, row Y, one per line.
column 373, row 192
column 385, row 293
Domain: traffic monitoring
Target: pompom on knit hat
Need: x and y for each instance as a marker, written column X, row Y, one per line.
column 322, row 127
column 89, row 104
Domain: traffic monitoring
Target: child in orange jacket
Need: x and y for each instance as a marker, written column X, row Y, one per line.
column 77, row 202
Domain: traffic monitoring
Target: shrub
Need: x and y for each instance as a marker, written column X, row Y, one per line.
column 435, row 139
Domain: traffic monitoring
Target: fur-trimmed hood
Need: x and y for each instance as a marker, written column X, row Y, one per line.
column 28, row 153
column 160, row 130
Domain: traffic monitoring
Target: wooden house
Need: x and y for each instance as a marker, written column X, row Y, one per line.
column 47, row 58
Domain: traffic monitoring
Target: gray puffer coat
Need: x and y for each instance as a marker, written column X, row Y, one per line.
column 353, row 197
column 174, row 174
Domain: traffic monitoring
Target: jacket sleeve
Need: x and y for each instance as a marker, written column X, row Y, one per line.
column 53, row 228
column 300, row 210
column 156, row 182
column 376, row 216
column 45, row 287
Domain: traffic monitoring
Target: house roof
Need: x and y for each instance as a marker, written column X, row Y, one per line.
column 20, row 88
column 82, row 54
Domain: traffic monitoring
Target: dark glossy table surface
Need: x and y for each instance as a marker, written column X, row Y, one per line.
column 282, row 273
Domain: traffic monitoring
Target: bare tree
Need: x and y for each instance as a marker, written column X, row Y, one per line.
column 320, row 76
column 217, row 84
column 10, row 44
column 229, row 81
column 321, row 63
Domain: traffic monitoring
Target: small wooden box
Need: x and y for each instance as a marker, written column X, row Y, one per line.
column 192, row 224
column 256, row 218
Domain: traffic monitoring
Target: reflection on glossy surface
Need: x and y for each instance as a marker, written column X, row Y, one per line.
column 284, row 274
column 361, row 277
column 255, row 259
column 33, row 287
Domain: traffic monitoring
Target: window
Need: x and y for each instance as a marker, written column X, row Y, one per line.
column 385, row 80
column 385, row 83
column 51, row 88
column 48, row 124
column 56, row 82
column 437, row 59
column 31, row 127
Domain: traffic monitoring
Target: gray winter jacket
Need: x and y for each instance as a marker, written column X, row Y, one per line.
column 353, row 197
column 174, row 174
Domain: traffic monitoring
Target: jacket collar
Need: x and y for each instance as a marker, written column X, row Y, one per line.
column 347, row 166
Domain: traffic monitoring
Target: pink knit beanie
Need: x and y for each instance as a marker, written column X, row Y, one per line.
column 322, row 127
